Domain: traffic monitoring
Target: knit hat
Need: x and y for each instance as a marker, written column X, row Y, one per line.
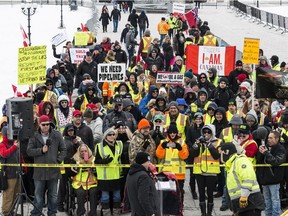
column 92, row 106
column 232, row 102
column 173, row 103
column 236, row 120
column 198, row 115
column 44, row 118
column 188, row 74
column 224, row 79
column 274, row 58
column 178, row 58
column 127, row 102
column 158, row 117
column 229, row 146
column 239, row 63
column 246, row 85
column 212, row 105
column 69, row 127
column 77, row 112
column 241, row 77
column 143, row 123
column 244, row 128
column 88, row 113
column 119, row 123
column 172, row 128
column 142, row 157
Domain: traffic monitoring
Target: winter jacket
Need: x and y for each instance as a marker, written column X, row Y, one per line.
column 192, row 134
column 123, row 35
column 158, row 61
column 143, row 20
column 232, row 78
column 120, row 56
column 219, row 126
column 206, row 85
column 86, row 134
column 86, row 67
column 105, row 19
column 96, row 127
column 143, row 103
column 133, row 18
column 142, row 193
column 55, row 154
column 221, row 96
column 116, row 14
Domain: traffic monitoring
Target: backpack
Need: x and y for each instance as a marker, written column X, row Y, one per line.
column 185, row 25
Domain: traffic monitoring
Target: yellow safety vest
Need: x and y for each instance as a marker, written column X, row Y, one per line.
column 180, row 122
column 175, row 164
column 244, row 146
column 262, row 117
column 109, row 173
column 48, row 95
column 205, row 163
column 135, row 97
column 229, row 115
column 208, row 119
column 171, row 21
column 227, row 135
column 240, row 174
column 194, row 106
column 215, row 82
column 146, row 43
column 84, row 103
column 84, row 179
column 209, row 40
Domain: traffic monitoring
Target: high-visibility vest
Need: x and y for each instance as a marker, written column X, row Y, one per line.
column 146, row 43
column 240, row 174
column 209, row 40
column 109, row 89
column 227, row 135
column 276, row 67
column 135, row 97
column 84, row 179
column 204, row 163
column 185, row 45
column 180, row 122
column 194, row 106
column 182, row 70
column 215, row 82
column 48, row 95
column 84, row 103
column 163, row 28
column 175, row 164
column 170, row 22
column 109, row 173
column 61, row 120
column 207, row 119
column 262, row 118
column 244, row 146
column 229, row 115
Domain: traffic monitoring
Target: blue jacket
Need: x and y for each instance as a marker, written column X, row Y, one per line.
column 143, row 103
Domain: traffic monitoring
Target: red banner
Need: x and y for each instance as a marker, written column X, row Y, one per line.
column 201, row 58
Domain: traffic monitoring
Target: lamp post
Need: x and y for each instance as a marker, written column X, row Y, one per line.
column 257, row 3
column 29, row 10
column 61, row 18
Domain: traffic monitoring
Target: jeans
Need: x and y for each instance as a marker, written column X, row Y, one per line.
column 40, row 188
column 115, row 25
column 225, row 197
column 141, row 31
column 162, row 36
column 272, row 200
column 105, row 198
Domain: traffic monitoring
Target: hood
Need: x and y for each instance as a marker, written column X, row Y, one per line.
column 136, row 168
column 67, row 127
column 133, row 11
column 48, row 71
column 127, row 102
column 222, row 111
column 123, row 84
column 142, row 14
column 151, row 89
column 161, row 97
column 212, row 128
column 43, row 105
column 253, row 113
column 186, row 91
column 202, row 90
column 212, row 105
column 181, row 101
column 109, row 130
column 198, row 78
column 89, row 85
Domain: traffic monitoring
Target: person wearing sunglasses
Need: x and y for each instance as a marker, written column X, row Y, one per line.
column 203, row 82
column 63, row 114
column 201, row 104
column 83, row 85
column 46, row 147
column 206, row 166
column 109, row 152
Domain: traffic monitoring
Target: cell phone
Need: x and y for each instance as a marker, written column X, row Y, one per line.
column 86, row 157
column 158, row 128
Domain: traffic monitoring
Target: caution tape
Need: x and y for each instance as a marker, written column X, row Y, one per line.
column 112, row 165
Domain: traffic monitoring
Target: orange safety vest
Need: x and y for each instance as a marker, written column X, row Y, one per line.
column 146, row 43
column 163, row 28
column 109, row 89
column 209, row 40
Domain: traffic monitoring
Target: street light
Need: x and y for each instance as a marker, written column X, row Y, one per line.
column 29, row 10
column 257, row 3
column 61, row 20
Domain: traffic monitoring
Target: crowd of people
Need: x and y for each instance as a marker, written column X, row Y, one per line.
column 206, row 121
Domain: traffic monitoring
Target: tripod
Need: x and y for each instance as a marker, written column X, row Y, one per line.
column 20, row 196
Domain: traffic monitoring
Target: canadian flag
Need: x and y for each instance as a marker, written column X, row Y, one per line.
column 16, row 93
column 201, row 58
column 83, row 27
column 25, row 37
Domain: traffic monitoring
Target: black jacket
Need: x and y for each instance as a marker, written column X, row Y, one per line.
column 105, row 19
column 232, row 78
column 275, row 157
column 133, row 18
column 111, row 118
column 120, row 56
column 142, row 193
column 221, row 96
column 192, row 134
column 85, row 67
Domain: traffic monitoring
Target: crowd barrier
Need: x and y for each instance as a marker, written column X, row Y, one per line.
column 274, row 21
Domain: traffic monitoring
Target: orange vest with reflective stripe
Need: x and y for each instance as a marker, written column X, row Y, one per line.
column 209, row 40
column 163, row 28
column 146, row 43
column 84, row 179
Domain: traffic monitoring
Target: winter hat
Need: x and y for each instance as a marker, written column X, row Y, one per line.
column 212, row 105
column 127, row 102
column 4, row 131
column 116, row 43
column 188, row 74
column 239, row 63
column 162, row 91
column 253, row 114
column 232, row 102
column 88, row 113
column 250, row 118
column 246, row 85
column 178, row 58
column 147, row 32
column 229, row 146
column 110, row 131
column 282, row 64
column 198, row 115
column 274, row 58
column 158, row 117
column 153, row 51
column 92, row 106
column 44, row 118
column 142, row 157
column 224, row 79
column 193, row 83
column 119, row 123
column 77, row 112
column 181, row 101
column 244, row 128
column 118, row 100
column 241, row 77
column 261, row 133
column 172, row 128
column 143, row 123
column 173, row 103
column 97, row 47
column 63, row 98
column 236, row 120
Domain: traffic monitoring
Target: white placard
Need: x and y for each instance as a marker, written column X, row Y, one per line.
column 78, row 54
column 112, row 72
column 170, row 78
column 178, row 8
column 59, row 38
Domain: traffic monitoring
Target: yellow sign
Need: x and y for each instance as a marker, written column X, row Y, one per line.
column 31, row 65
column 251, row 50
column 81, row 38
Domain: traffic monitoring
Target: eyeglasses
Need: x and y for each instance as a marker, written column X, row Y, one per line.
column 158, row 121
column 110, row 134
column 64, row 102
column 207, row 131
column 202, row 77
column 45, row 124
column 172, row 133
column 90, row 89
column 155, row 91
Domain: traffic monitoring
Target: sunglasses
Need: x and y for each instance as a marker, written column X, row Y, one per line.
column 90, row 89
column 155, row 91
column 202, row 77
column 110, row 134
column 49, row 84
column 45, row 124
column 207, row 131
column 158, row 121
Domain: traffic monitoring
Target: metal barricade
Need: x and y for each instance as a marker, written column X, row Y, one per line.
column 264, row 18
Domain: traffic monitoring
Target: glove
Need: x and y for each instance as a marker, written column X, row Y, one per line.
column 107, row 160
column 196, row 145
column 243, row 202
column 146, row 144
column 178, row 146
column 129, row 47
column 53, row 46
column 136, row 91
column 238, row 146
column 280, row 131
column 164, row 144
column 209, row 145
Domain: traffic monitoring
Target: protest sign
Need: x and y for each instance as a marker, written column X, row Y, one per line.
column 81, row 38
column 201, row 58
column 178, row 8
column 59, row 38
column 251, row 50
column 31, row 65
column 77, row 55
column 112, row 72
column 169, row 78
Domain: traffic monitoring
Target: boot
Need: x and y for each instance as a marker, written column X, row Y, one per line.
column 116, row 209
column 203, row 208
column 209, row 209
column 106, row 210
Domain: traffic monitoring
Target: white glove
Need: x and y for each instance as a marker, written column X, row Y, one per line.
column 238, row 146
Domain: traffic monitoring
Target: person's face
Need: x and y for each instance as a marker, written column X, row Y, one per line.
column 202, row 78
column 286, row 103
column 121, row 129
column 181, row 107
column 70, row 132
column 64, row 104
column 111, row 137
column 198, row 121
column 98, row 105
column 195, row 88
column 272, row 139
column 69, row 45
column 243, row 91
column 160, row 102
column 158, row 122
column 173, row 110
column 207, row 134
column 263, row 62
column 187, row 79
column 179, row 62
column 218, row 116
column 119, row 107
column 172, row 135
column 49, row 86
column 250, row 122
column 222, row 85
column 247, row 68
column 88, row 57
column 77, row 119
column 47, row 110
column 128, row 108
column 154, row 68
column 154, row 54
column 154, row 93
column 90, row 91
column 286, row 68
column 44, row 127
column 202, row 97
column 210, row 73
column 210, row 111
column 132, row 79
column 243, row 137
column 145, row 131
column 239, row 68
column 123, row 89
column 256, row 106
column 56, row 72
column 83, row 151
column 232, row 108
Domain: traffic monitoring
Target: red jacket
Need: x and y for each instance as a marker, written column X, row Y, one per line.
column 252, row 148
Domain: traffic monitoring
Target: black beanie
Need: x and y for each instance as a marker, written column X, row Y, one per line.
column 142, row 157
column 172, row 128
column 229, row 146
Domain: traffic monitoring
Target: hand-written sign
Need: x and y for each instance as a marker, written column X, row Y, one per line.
column 31, row 65
column 77, row 54
column 178, row 8
column 170, row 78
column 112, row 72
column 59, row 38
column 251, row 50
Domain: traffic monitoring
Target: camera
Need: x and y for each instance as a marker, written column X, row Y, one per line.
column 202, row 140
column 73, row 137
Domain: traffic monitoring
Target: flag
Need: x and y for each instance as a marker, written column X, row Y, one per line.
column 201, row 58
column 83, row 27
column 192, row 17
column 25, row 37
column 16, row 93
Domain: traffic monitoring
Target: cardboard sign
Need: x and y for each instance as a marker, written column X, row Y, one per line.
column 31, row 65
column 251, row 50
column 59, row 38
column 78, row 54
column 170, row 78
column 112, row 72
column 178, row 8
